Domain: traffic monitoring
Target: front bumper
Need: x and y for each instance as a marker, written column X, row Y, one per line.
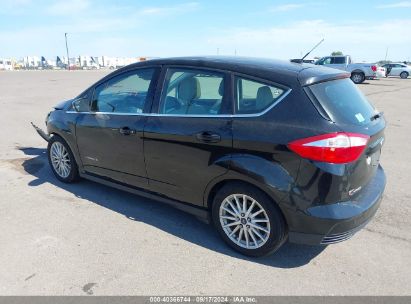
column 42, row 134
column 333, row 223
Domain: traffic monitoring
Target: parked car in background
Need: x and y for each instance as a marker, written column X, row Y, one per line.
column 381, row 71
column 359, row 71
column 397, row 69
column 269, row 150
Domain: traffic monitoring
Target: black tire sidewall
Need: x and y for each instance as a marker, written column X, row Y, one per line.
column 73, row 176
column 404, row 73
column 278, row 231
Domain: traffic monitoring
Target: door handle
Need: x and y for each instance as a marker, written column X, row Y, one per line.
column 126, row 131
column 208, row 137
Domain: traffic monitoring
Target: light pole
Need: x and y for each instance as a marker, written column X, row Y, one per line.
column 68, row 57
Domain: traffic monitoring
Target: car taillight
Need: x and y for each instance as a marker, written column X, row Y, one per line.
column 337, row 148
column 374, row 68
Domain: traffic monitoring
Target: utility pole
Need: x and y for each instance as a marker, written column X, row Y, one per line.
column 68, row 57
column 386, row 53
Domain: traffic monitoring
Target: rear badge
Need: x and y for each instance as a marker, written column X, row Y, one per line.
column 353, row 191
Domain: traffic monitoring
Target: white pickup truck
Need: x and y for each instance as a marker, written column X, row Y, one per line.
column 359, row 71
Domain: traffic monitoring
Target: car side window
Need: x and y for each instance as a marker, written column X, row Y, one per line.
column 338, row 60
column 192, row 92
column 82, row 103
column 254, row 97
column 125, row 93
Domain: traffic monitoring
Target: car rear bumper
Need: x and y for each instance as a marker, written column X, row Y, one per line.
column 333, row 223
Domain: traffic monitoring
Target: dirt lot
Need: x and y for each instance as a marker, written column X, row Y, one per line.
column 89, row 239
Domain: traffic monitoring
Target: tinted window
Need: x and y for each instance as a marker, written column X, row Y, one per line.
column 338, row 60
column 254, row 97
column 343, row 101
column 192, row 92
column 125, row 93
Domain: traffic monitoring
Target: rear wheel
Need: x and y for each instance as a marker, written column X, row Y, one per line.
column 248, row 220
column 357, row 77
column 404, row 75
column 61, row 160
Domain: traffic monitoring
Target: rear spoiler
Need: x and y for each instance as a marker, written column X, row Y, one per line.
column 318, row 74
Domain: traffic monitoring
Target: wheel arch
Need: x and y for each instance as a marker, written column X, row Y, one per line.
column 220, row 184
column 268, row 176
column 72, row 145
column 358, row 71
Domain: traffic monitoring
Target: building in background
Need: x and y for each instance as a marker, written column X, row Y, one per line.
column 6, row 64
column 82, row 62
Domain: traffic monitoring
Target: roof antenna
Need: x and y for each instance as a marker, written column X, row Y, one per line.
column 302, row 59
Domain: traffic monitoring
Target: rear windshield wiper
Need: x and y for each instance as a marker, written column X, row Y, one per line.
column 375, row 116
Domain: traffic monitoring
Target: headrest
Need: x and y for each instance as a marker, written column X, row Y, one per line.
column 221, row 88
column 189, row 89
column 264, row 97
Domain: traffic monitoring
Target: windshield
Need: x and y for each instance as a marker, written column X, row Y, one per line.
column 343, row 102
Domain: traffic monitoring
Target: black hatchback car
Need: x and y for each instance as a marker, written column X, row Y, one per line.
column 268, row 150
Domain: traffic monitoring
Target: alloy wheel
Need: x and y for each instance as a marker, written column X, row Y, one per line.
column 357, row 78
column 244, row 221
column 60, row 159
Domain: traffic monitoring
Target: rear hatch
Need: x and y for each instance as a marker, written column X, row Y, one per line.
column 341, row 102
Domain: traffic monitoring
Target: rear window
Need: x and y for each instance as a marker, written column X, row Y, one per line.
column 343, row 101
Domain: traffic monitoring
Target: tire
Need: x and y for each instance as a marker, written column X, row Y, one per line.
column 61, row 160
column 404, row 75
column 260, row 243
column 357, row 77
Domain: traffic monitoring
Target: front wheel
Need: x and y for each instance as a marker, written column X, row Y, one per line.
column 357, row 77
column 404, row 75
column 61, row 160
column 248, row 220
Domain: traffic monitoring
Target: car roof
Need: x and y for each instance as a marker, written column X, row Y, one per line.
column 232, row 63
column 280, row 71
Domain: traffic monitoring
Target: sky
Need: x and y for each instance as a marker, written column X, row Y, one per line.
column 259, row 28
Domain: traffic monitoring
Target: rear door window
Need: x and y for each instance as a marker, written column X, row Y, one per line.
column 192, row 92
column 343, row 102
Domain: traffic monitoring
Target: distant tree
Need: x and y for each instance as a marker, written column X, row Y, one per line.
column 337, row 53
column 382, row 62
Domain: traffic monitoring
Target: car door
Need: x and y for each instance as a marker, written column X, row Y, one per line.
column 188, row 137
column 109, row 136
column 396, row 70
